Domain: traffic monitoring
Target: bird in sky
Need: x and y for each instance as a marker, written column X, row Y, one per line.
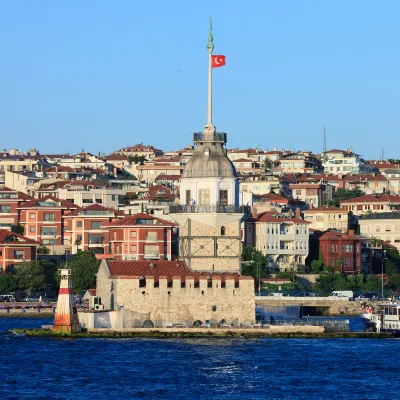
column 177, row 70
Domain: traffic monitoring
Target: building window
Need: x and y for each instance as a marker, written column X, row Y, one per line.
column 188, row 198
column 87, row 201
column 5, row 209
column 133, row 234
column 222, row 231
column 133, row 248
column 223, row 197
column 79, row 238
column 48, row 217
column 32, row 229
column 32, row 216
column 95, row 225
column 96, row 239
column 79, row 224
column 51, row 242
column 48, row 231
column 18, row 255
column 204, row 197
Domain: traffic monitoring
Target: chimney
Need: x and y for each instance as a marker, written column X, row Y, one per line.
column 254, row 212
column 351, row 232
column 298, row 213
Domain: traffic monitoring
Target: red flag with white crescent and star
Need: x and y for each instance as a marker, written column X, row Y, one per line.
column 217, row 61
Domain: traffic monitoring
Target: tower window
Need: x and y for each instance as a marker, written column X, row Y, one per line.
column 204, row 197
column 223, row 197
column 222, row 231
column 188, row 197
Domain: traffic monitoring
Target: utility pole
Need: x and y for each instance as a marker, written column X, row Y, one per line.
column 324, row 138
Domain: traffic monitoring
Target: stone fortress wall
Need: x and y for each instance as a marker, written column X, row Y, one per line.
column 182, row 301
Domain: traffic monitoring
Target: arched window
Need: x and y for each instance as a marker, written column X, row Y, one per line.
column 222, row 231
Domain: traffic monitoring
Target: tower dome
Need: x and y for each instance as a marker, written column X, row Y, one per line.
column 209, row 158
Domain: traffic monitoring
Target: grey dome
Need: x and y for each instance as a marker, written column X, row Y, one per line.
column 209, row 160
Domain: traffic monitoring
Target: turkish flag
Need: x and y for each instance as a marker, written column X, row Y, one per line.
column 217, row 61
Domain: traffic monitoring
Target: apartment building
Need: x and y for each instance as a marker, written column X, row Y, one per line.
column 141, row 237
column 314, row 194
column 372, row 204
column 276, row 202
column 85, row 228
column 369, row 184
column 327, row 217
column 43, row 222
column 15, row 249
column 83, row 193
column 152, row 169
column 247, row 166
column 345, row 162
column 299, row 163
column 140, row 150
column 393, row 177
column 283, row 238
column 384, row 226
column 341, row 251
column 9, row 201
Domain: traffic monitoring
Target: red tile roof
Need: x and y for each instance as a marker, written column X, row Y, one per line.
column 271, row 216
column 92, row 292
column 168, row 177
column 157, row 269
column 6, row 237
column 243, row 160
column 330, row 209
column 132, row 221
column 35, row 203
column 96, row 207
column 383, row 198
column 336, row 235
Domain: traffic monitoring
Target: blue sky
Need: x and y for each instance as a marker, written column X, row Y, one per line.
column 98, row 75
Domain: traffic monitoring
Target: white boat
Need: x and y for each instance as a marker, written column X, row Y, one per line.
column 388, row 314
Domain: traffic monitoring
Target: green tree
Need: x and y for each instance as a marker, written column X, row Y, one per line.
column 36, row 275
column 18, row 229
column 43, row 250
column 372, row 283
column 316, row 266
column 394, row 282
column 84, row 266
column 8, row 283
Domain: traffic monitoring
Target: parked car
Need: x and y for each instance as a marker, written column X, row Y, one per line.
column 7, row 298
column 31, row 299
column 367, row 296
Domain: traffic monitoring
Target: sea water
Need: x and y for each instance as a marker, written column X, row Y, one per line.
column 45, row 368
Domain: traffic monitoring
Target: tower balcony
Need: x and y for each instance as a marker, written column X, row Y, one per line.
column 208, row 209
column 219, row 137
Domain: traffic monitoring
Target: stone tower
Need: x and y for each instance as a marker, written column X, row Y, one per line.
column 209, row 214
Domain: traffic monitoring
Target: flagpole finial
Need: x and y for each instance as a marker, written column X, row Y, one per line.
column 210, row 45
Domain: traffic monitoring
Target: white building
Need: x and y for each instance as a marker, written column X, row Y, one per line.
column 344, row 162
column 283, row 238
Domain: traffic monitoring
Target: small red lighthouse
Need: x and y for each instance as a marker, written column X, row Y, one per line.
column 66, row 317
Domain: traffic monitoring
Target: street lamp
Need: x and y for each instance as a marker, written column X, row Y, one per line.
column 383, row 263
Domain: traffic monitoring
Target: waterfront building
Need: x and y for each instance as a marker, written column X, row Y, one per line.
column 9, row 201
column 86, row 228
column 15, row 249
column 327, row 217
column 42, row 220
column 140, row 237
column 384, row 226
column 340, row 251
column 284, row 238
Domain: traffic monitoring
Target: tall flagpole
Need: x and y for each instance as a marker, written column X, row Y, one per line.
column 210, row 128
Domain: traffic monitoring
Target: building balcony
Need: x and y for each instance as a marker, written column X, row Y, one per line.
column 209, row 137
column 208, row 209
column 151, row 256
column 130, row 257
